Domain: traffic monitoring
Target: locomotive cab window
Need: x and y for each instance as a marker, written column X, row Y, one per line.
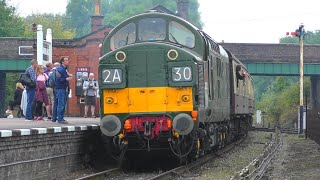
column 126, row 35
column 181, row 35
column 152, row 29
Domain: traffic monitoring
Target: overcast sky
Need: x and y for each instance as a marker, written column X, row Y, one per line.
column 245, row 21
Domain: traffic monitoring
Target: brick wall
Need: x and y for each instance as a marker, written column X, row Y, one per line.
column 47, row 156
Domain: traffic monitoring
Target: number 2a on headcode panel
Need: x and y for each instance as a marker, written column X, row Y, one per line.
column 112, row 76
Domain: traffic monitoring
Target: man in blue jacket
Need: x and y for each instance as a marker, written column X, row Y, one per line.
column 61, row 85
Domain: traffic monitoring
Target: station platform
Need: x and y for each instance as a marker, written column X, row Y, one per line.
column 10, row 125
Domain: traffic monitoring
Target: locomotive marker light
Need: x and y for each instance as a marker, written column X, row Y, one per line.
column 109, row 100
column 172, row 54
column 120, row 56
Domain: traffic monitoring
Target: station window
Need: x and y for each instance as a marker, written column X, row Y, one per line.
column 152, row 29
column 126, row 35
column 181, row 35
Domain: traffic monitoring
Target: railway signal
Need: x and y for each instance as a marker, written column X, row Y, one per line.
column 300, row 32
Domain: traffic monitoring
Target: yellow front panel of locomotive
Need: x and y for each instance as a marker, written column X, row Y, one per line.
column 179, row 99
column 148, row 99
column 137, row 100
column 157, row 99
column 115, row 101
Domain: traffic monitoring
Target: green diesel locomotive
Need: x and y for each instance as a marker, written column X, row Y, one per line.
column 166, row 85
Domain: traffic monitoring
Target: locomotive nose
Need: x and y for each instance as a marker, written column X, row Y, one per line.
column 183, row 124
column 110, row 125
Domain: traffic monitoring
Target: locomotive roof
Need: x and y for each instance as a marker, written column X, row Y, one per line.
column 155, row 14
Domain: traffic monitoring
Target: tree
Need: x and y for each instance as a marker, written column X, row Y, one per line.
column 11, row 25
column 54, row 22
column 79, row 12
column 281, row 101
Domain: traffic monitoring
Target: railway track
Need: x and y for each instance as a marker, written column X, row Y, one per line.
column 116, row 173
column 102, row 175
column 282, row 130
column 259, row 173
column 179, row 171
column 258, row 167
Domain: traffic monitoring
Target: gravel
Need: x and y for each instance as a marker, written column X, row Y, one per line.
column 299, row 158
column 228, row 164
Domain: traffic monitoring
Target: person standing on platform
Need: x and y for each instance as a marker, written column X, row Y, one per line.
column 54, row 106
column 16, row 99
column 31, row 91
column 90, row 88
column 49, row 91
column 41, row 93
column 61, row 84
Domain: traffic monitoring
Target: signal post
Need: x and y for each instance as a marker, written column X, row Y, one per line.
column 300, row 33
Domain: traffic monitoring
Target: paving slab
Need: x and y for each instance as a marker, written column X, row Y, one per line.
column 20, row 123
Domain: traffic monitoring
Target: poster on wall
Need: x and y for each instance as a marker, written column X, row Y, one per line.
column 82, row 74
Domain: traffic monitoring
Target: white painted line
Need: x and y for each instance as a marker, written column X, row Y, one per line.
column 6, row 133
column 24, row 132
column 57, row 129
column 83, row 128
column 41, row 130
column 94, row 126
column 71, row 128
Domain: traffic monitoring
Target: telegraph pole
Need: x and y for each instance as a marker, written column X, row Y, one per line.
column 300, row 33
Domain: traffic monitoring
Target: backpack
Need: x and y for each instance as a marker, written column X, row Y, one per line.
column 25, row 80
column 53, row 75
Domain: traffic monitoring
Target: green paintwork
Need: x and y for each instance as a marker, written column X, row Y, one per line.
column 147, row 65
column 146, row 68
column 282, row 69
column 14, row 64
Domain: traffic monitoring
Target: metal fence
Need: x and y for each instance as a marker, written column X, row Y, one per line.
column 313, row 125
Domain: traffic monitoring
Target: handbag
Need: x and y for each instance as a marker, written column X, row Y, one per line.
column 25, row 80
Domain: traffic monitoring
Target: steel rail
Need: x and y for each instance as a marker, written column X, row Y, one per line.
column 179, row 171
column 260, row 171
column 102, row 174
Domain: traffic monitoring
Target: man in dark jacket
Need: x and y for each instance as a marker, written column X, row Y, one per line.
column 31, row 91
column 61, row 84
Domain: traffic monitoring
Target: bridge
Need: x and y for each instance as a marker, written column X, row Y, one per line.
column 276, row 59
